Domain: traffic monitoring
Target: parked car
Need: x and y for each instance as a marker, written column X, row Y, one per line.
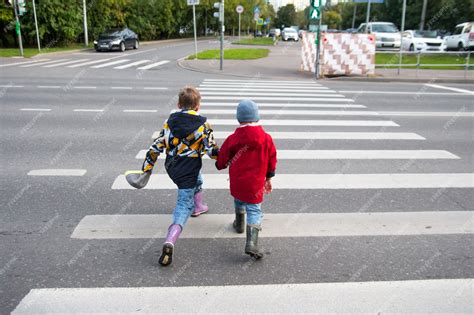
column 117, row 38
column 351, row 30
column 387, row 35
column 300, row 33
column 462, row 38
column 289, row 33
column 258, row 34
column 422, row 41
column 274, row 32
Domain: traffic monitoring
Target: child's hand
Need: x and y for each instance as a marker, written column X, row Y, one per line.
column 268, row 186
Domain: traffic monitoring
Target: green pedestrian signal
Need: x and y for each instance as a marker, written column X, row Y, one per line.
column 314, row 14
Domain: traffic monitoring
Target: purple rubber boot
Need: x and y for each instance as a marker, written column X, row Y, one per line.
column 199, row 206
column 167, row 254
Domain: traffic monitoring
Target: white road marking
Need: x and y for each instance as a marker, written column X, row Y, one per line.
column 443, row 296
column 36, row 109
column 429, row 114
column 326, row 181
column 140, row 110
column 301, row 122
column 48, row 87
column 284, row 105
column 155, row 88
column 57, row 172
column 153, row 65
column 88, row 110
column 402, row 93
column 65, row 63
column 328, row 135
column 294, row 112
column 43, row 63
column 121, row 88
column 11, row 86
column 262, row 81
column 22, row 63
column 239, row 86
column 89, row 63
column 136, row 63
column 110, row 63
column 252, row 94
column 289, row 89
column 436, row 86
column 280, row 225
column 85, row 87
column 335, row 98
column 350, row 155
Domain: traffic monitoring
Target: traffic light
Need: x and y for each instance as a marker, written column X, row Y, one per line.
column 219, row 14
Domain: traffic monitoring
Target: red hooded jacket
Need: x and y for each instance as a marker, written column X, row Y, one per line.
column 251, row 156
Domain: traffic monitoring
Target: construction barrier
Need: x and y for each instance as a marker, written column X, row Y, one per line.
column 341, row 54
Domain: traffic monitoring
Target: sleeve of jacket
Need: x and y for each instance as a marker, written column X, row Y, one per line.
column 223, row 159
column 210, row 146
column 272, row 158
column 158, row 147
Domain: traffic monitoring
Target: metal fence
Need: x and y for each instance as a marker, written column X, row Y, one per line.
column 398, row 63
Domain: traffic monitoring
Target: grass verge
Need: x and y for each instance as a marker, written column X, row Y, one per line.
column 265, row 41
column 237, row 54
column 30, row 52
column 431, row 60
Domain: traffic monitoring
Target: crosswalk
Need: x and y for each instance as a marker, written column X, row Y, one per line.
column 112, row 63
column 319, row 112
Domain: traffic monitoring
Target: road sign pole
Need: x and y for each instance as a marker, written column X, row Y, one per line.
column 195, row 33
column 367, row 18
column 401, row 35
column 239, row 26
column 222, row 36
column 18, row 27
column 36, row 26
column 84, row 9
column 317, row 71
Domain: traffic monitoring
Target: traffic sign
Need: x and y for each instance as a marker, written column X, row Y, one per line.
column 314, row 13
column 260, row 22
column 256, row 9
column 256, row 16
column 239, row 9
column 193, row 2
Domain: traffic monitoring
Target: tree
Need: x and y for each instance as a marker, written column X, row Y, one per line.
column 332, row 18
column 286, row 16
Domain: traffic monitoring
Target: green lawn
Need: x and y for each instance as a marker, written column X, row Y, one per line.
column 383, row 60
column 265, row 41
column 30, row 52
column 239, row 54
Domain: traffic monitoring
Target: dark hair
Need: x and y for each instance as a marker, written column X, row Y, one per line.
column 189, row 97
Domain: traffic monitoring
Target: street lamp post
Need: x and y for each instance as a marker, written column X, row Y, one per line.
column 401, row 35
column 36, row 26
column 84, row 9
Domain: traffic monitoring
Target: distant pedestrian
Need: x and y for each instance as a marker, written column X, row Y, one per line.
column 251, row 156
column 185, row 137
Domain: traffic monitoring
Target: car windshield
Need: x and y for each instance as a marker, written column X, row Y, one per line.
column 426, row 34
column 384, row 28
column 112, row 32
column 290, row 30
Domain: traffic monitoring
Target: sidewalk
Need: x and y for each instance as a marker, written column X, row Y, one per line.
column 284, row 62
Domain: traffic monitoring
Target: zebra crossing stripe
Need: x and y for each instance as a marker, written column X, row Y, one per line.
column 89, row 63
column 326, row 181
column 327, row 135
column 136, row 63
column 280, row 225
column 43, row 63
column 261, row 85
column 300, row 122
column 294, row 112
column 252, row 94
column 260, row 81
column 333, row 98
column 153, row 65
column 274, row 89
column 57, row 172
column 440, row 296
column 110, row 63
column 65, row 63
column 352, row 155
column 22, row 63
column 283, row 105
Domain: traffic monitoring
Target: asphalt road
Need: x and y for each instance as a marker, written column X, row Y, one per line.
column 98, row 119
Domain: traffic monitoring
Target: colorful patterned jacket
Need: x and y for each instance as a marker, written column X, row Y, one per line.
column 186, row 136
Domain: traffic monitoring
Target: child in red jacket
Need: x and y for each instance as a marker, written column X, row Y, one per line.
column 251, row 156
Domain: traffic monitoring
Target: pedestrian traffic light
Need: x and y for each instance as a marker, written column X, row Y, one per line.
column 219, row 14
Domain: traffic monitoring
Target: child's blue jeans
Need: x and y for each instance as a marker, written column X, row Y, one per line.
column 254, row 211
column 185, row 203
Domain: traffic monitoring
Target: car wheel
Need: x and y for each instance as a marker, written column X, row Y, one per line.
column 135, row 46
column 98, row 50
column 122, row 46
column 412, row 48
column 461, row 47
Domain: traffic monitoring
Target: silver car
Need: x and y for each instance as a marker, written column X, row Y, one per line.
column 289, row 33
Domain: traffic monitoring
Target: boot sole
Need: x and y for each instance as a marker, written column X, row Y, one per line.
column 256, row 255
column 198, row 213
column 166, row 255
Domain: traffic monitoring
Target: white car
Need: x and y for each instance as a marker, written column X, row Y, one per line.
column 289, row 33
column 462, row 37
column 422, row 41
column 386, row 34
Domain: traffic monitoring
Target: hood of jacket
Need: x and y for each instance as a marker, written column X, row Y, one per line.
column 183, row 123
column 251, row 136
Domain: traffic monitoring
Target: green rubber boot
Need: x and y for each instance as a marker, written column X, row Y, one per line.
column 251, row 246
column 239, row 222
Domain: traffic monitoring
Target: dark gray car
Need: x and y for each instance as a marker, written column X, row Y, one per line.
column 117, row 38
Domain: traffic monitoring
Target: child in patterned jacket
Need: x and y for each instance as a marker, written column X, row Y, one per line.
column 185, row 137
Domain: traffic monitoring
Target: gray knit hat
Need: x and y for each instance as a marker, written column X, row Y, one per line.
column 247, row 111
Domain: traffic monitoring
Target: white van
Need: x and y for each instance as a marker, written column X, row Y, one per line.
column 387, row 35
column 462, row 37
